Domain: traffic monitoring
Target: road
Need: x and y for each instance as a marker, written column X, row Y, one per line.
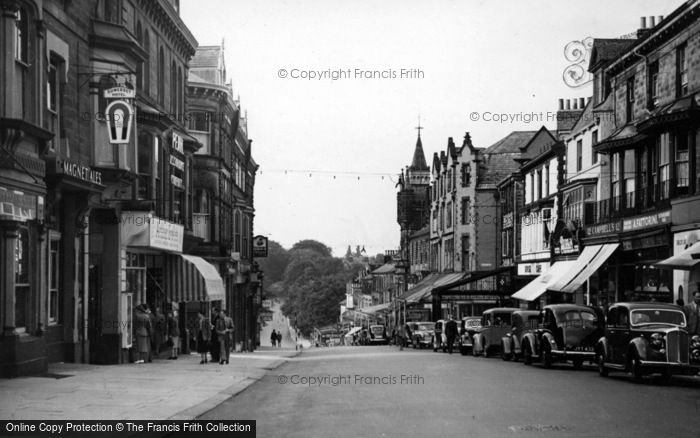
column 280, row 323
column 359, row 392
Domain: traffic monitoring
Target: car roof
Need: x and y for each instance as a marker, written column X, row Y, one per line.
column 647, row 305
column 526, row 312
column 501, row 310
column 470, row 317
column 559, row 308
column 422, row 322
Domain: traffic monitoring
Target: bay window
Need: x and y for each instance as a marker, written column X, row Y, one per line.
column 664, row 147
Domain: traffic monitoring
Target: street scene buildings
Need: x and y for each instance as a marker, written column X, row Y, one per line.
column 127, row 179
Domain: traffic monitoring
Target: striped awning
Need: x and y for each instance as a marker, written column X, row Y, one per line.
column 190, row 278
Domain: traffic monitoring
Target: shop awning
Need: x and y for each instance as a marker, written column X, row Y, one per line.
column 683, row 261
column 371, row 310
column 419, row 287
column 437, row 281
column 190, row 278
column 590, row 260
column 539, row 285
column 353, row 331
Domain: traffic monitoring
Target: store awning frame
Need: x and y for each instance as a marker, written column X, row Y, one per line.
column 686, row 260
column 190, row 278
column 590, row 260
column 544, row 281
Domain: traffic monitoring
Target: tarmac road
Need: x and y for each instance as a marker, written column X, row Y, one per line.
column 382, row 392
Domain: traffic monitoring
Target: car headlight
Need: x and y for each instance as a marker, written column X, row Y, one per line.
column 695, row 341
column 657, row 342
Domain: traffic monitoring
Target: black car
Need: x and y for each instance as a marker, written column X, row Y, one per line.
column 647, row 338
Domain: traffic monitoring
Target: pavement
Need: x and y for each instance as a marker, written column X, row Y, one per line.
column 164, row 389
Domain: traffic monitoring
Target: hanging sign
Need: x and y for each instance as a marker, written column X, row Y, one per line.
column 119, row 116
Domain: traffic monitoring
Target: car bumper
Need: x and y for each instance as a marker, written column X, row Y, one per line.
column 673, row 368
column 566, row 354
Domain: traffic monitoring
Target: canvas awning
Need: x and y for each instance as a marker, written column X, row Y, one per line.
column 590, row 260
column 683, row 261
column 190, row 278
column 371, row 310
column 437, row 281
column 539, row 285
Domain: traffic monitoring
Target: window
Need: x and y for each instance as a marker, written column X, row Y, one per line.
column 682, row 170
column 653, row 92
column 246, row 227
column 173, row 88
column 54, row 99
column 449, row 214
column 199, row 121
column 629, row 176
column 158, row 170
column 161, row 77
column 21, row 36
column 237, row 231
column 111, row 11
column 642, row 162
column 615, row 180
column 435, row 220
column 22, row 284
column 546, row 180
column 54, row 279
column 136, row 276
column 664, row 165
column 147, row 63
column 466, row 174
column 682, row 70
column 630, row 99
column 180, row 93
column 539, row 184
column 466, row 250
column 144, row 167
column 466, row 211
column 579, row 155
column 594, row 141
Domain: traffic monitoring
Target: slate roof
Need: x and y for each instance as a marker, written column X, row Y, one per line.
column 607, row 49
column 511, row 143
column 206, row 57
column 498, row 160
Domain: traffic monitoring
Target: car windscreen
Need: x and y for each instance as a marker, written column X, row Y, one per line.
column 425, row 327
column 377, row 329
column 472, row 323
column 657, row 316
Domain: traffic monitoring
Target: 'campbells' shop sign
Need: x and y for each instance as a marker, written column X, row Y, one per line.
column 79, row 171
column 607, row 228
column 646, row 221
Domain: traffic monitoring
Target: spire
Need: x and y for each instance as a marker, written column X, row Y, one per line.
column 419, row 162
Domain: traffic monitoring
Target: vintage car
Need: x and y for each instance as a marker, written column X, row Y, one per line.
column 469, row 326
column 377, row 334
column 439, row 340
column 566, row 332
column 647, row 338
column 523, row 321
column 421, row 333
column 495, row 323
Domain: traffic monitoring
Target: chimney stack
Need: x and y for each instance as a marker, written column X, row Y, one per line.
column 561, row 104
column 568, row 104
column 659, row 19
column 582, row 102
column 643, row 23
column 652, row 21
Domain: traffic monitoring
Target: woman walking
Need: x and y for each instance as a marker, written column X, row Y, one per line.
column 203, row 336
column 173, row 334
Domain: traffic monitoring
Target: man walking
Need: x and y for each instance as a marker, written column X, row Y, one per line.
column 220, row 329
column 229, row 333
column 692, row 314
column 450, row 333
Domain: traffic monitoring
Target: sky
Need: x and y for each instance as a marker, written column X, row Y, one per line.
column 335, row 89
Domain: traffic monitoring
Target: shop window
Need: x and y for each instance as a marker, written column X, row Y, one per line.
column 136, row 276
column 54, row 279
column 22, row 279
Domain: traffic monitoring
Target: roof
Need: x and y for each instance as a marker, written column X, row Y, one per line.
column 501, row 310
column 387, row 268
column 419, row 162
column 511, row 143
column 647, row 305
column 206, row 57
column 560, row 308
column 494, row 167
column 607, row 49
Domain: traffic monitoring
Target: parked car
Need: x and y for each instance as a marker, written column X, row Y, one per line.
column 469, row 326
column 422, row 333
column 377, row 334
column 495, row 323
column 523, row 321
column 439, row 340
column 647, row 338
column 566, row 332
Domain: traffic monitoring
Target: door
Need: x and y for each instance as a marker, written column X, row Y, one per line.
column 94, row 326
column 617, row 334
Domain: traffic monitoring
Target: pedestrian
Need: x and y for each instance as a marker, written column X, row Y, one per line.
column 409, row 335
column 401, row 336
column 692, row 314
column 220, row 329
column 152, row 334
column 203, row 336
column 279, row 339
column 159, row 331
column 450, row 333
column 229, row 333
column 273, row 338
column 173, row 334
column 214, row 342
column 142, row 324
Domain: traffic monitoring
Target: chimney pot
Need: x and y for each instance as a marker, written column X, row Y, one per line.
column 582, row 102
column 568, row 104
column 561, row 104
column 652, row 21
column 575, row 104
column 659, row 19
column 643, row 23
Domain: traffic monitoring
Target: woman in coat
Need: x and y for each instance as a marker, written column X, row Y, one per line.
column 203, row 336
column 174, row 334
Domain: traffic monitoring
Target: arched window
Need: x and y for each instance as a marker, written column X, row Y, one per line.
column 147, row 64
column 173, row 88
column 161, row 77
column 180, row 95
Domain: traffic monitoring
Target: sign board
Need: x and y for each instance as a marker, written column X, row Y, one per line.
column 607, row 228
column 259, row 246
column 120, row 117
column 142, row 229
column 532, row 268
column 79, row 171
column 177, row 143
column 19, row 206
column 120, row 93
column 646, row 221
column 267, row 304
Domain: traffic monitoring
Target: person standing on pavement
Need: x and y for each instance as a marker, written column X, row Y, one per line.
column 142, row 325
column 409, row 335
column 158, row 331
column 279, row 339
column 220, row 330
column 450, row 333
column 273, row 338
column 401, row 336
column 692, row 314
column 229, row 333
column 174, row 334
column 203, row 336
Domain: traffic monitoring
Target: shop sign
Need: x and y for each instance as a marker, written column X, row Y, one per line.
column 79, row 171
column 177, row 163
column 267, row 304
column 177, row 144
column 120, row 93
column 490, row 298
column 177, row 182
column 607, row 228
column 417, row 315
column 259, row 246
column 532, row 268
column 646, row 221
column 140, row 229
column 18, row 206
column 508, row 221
column 645, row 242
column 120, row 117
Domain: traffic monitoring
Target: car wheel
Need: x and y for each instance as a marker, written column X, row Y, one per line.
column 666, row 376
column 601, row 366
column 547, row 355
column 578, row 363
column 527, row 354
column 636, row 368
column 505, row 356
column 462, row 350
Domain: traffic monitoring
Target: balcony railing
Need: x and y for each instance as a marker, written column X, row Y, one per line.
column 201, row 226
column 634, row 203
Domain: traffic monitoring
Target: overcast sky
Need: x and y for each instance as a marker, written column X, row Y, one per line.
column 330, row 150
